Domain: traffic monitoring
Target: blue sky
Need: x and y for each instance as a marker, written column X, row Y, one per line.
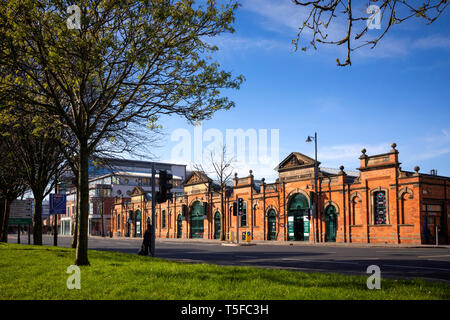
column 397, row 92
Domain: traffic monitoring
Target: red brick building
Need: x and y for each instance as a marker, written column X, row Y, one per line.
column 379, row 204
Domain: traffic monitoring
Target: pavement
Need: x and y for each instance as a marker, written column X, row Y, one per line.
column 395, row 262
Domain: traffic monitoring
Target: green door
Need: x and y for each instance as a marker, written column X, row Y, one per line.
column 197, row 221
column 179, row 226
column 217, row 226
column 330, row 224
column 297, row 209
column 272, row 225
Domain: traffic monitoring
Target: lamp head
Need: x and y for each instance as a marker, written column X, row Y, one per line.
column 309, row 139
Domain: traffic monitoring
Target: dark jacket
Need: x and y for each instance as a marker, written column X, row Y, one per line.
column 147, row 237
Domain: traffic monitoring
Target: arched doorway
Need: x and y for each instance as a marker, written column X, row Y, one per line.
column 271, row 225
column 196, row 219
column 217, row 225
column 298, row 223
column 330, row 224
column 179, row 226
column 137, row 225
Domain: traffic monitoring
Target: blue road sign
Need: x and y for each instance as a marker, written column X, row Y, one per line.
column 57, row 203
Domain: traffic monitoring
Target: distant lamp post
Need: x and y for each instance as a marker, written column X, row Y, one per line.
column 315, row 204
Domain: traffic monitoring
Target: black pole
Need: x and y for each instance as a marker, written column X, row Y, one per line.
column 29, row 229
column 152, row 247
column 316, row 202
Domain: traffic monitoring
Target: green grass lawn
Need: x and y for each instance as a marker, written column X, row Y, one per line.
column 32, row 272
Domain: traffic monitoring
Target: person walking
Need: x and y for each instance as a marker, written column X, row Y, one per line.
column 146, row 244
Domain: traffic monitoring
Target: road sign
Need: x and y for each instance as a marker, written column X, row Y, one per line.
column 21, row 212
column 57, row 203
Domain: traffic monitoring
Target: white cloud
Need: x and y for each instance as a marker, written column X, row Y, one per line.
column 431, row 42
column 278, row 13
column 434, row 146
column 347, row 152
column 239, row 43
column 285, row 17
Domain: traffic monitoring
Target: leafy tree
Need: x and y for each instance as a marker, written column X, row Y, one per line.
column 323, row 13
column 129, row 63
column 36, row 151
column 12, row 185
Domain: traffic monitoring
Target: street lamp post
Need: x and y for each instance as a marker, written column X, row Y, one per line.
column 315, row 213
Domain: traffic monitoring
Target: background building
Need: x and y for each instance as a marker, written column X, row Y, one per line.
column 116, row 178
column 379, row 204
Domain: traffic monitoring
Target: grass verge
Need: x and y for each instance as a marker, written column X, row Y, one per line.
column 34, row 272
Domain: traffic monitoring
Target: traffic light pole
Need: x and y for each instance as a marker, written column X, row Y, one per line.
column 152, row 247
column 237, row 220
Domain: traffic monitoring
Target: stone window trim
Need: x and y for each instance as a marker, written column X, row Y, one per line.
column 330, row 204
column 402, row 198
column 355, row 195
column 372, row 207
column 407, row 190
column 193, row 201
column 296, row 191
column 271, row 207
column 354, row 199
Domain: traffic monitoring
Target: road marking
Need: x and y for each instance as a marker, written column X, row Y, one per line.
column 439, row 256
column 312, row 260
column 410, row 267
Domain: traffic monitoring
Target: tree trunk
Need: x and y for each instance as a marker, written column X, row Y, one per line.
column 2, row 213
column 77, row 217
column 4, row 231
column 103, row 229
column 37, row 220
column 222, row 217
column 83, row 184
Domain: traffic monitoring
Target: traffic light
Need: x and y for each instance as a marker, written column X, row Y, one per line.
column 240, row 206
column 164, row 193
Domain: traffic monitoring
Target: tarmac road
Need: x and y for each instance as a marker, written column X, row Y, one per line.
column 394, row 262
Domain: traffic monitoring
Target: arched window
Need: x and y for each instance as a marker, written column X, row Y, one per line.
column 356, row 211
column 380, row 207
column 118, row 221
column 164, row 218
column 405, row 212
column 244, row 216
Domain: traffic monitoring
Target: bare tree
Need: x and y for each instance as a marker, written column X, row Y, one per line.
column 322, row 13
column 222, row 171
